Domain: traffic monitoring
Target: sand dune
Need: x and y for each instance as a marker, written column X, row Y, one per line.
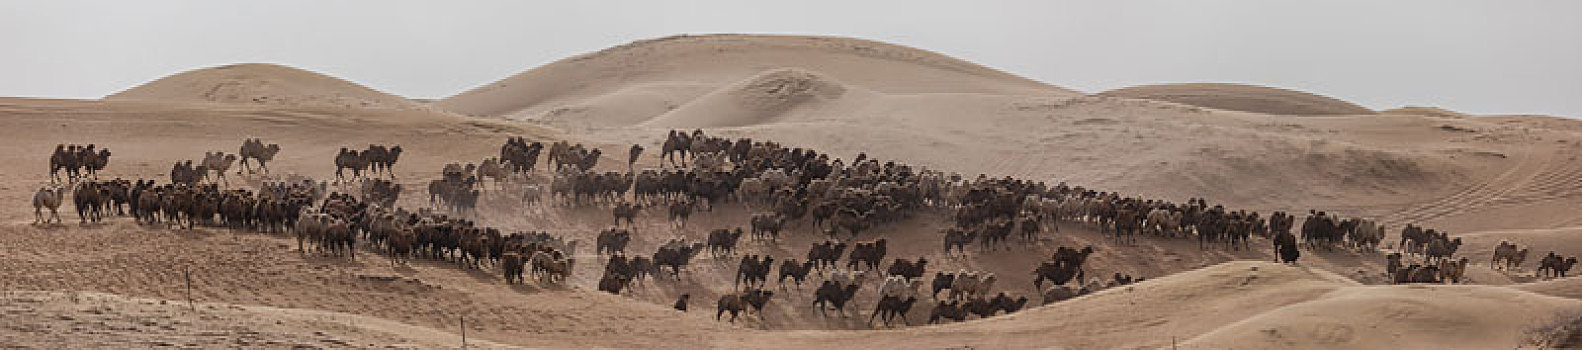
column 716, row 61
column 260, row 83
column 767, row 97
column 98, row 320
column 1240, row 97
column 1260, row 305
column 1427, row 317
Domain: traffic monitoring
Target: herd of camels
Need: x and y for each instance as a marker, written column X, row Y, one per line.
column 840, row 198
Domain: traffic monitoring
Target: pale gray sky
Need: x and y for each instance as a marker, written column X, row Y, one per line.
column 1511, row 56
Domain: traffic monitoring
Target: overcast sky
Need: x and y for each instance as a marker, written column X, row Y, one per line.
column 1508, row 56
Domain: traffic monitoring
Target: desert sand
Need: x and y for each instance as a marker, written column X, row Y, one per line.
column 1485, row 179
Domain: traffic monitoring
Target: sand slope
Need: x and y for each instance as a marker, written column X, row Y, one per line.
column 569, row 90
column 98, row 320
column 1262, row 305
column 262, row 83
column 777, row 95
column 1438, row 317
column 1240, row 97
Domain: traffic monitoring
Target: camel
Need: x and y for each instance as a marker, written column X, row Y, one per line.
column 1516, row 261
column 680, row 210
column 512, row 266
column 1442, row 249
column 492, row 169
column 831, row 293
column 825, row 255
column 1008, row 304
column 1054, row 272
column 532, row 194
column 797, row 272
column 1163, row 222
column 1367, row 235
column 942, row 281
column 349, row 159
column 1285, row 247
column 1072, row 258
column 94, row 162
column 89, row 198
column 677, row 143
column 218, row 163
column 399, row 243
column 723, row 240
column 736, row 303
column 908, row 269
column 900, row 286
column 627, row 211
column 382, row 159
column 1553, row 265
column 952, row 311
column 753, row 269
column 959, row 239
column 982, row 307
column 681, row 303
column 257, row 150
column 767, row 225
column 1509, row 254
column 47, row 197
column 869, row 254
column 970, row 284
column 631, row 157
column 1452, row 271
column 891, row 306
column 519, row 155
column 613, row 282
column 64, row 158
column 552, row 267
column 612, row 240
column 847, row 277
column 676, row 256
column 309, row 227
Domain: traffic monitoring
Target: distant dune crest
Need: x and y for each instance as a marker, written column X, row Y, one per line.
column 708, row 62
column 263, row 84
column 1425, row 111
column 1245, row 98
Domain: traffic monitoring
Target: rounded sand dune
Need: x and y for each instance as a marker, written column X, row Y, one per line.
column 1245, row 98
column 262, row 83
column 716, row 61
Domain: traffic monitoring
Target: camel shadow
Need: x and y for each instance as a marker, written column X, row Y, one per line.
column 55, row 226
column 327, row 259
column 404, row 270
column 100, row 224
